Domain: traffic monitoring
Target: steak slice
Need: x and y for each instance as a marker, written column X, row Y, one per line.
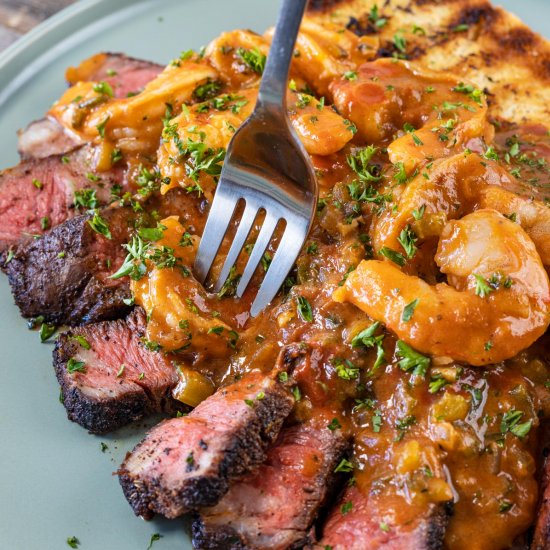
column 126, row 75
column 64, row 276
column 356, row 524
column 120, row 380
column 187, row 463
column 36, row 195
column 275, row 506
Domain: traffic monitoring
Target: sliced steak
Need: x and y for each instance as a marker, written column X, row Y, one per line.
column 36, row 195
column 120, row 380
column 126, row 75
column 64, row 275
column 356, row 523
column 275, row 506
column 187, row 463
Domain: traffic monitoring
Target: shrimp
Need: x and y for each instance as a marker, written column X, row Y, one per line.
column 132, row 124
column 454, row 187
column 209, row 126
column 495, row 304
column 431, row 113
column 328, row 51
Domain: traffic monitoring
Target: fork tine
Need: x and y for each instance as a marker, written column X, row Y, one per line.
column 220, row 215
column 262, row 241
column 245, row 225
column 287, row 252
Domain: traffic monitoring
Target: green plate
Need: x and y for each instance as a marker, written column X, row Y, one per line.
column 55, row 481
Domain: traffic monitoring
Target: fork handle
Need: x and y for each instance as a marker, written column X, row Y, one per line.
column 274, row 81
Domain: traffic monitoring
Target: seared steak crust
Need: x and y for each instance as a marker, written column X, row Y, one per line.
column 187, row 463
column 121, row 380
column 275, row 506
column 360, row 526
column 73, row 288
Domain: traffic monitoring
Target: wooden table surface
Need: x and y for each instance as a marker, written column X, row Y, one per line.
column 19, row 16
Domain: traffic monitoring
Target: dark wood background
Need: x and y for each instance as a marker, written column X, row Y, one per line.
column 19, row 16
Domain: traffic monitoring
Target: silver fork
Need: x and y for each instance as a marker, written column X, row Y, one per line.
column 267, row 167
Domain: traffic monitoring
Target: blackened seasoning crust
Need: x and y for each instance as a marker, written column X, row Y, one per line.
column 120, row 381
column 187, row 463
column 63, row 276
column 275, row 506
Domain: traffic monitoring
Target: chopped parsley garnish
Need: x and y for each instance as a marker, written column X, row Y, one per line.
column 511, row 423
column 44, row 223
column 473, row 93
column 304, row 309
column 152, row 233
column 408, row 310
column 85, row 198
column 253, row 58
column 346, row 508
column 350, row 126
column 134, row 263
column 407, row 239
column 73, row 542
column 120, row 371
column 345, row 369
column 350, row 75
column 436, row 384
column 504, row 506
column 47, row 331
column 37, row 183
column 207, row 90
column 75, row 366
column 384, row 527
column 101, row 126
column 359, row 162
column 411, row 360
column 491, row 154
column 394, row 256
column 104, row 447
column 482, row 286
column 283, row 376
column 229, row 287
column 400, row 43
column 344, row 466
column 82, row 342
column 377, row 422
column 375, row 18
column 103, row 88
column 418, row 214
column 366, row 338
column 99, row 225
column 334, row 425
column 154, row 538
column 400, row 173
column 461, row 28
column 410, row 129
